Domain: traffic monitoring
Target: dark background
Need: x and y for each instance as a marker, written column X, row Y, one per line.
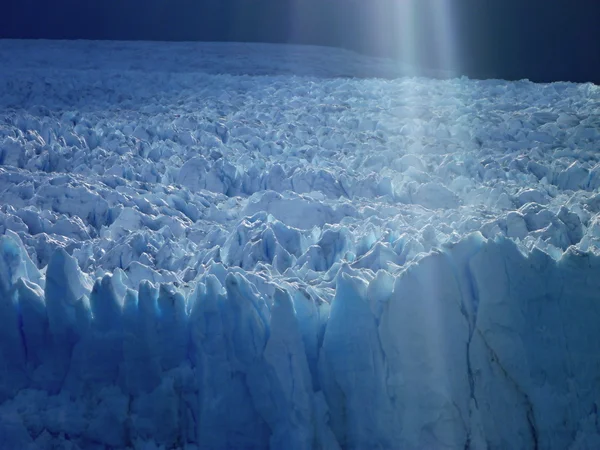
column 543, row 40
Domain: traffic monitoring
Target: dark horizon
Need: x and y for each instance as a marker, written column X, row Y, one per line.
column 512, row 39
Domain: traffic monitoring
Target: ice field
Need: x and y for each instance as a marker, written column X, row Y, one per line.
column 249, row 246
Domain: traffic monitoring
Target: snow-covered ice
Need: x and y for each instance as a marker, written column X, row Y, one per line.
column 236, row 246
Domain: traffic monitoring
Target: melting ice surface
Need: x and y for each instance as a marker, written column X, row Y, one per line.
column 211, row 246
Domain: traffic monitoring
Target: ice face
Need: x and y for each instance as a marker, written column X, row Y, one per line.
column 475, row 340
column 200, row 260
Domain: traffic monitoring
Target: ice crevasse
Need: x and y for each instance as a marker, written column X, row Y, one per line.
column 477, row 345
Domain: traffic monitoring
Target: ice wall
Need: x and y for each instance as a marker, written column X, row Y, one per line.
column 474, row 346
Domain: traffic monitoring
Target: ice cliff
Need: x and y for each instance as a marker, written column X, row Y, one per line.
column 476, row 345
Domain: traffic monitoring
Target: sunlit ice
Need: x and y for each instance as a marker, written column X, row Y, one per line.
column 242, row 245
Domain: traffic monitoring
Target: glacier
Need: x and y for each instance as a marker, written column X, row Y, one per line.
column 477, row 345
column 237, row 246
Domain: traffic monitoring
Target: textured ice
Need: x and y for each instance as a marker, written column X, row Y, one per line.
column 233, row 257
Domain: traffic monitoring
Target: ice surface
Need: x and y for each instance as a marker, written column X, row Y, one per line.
column 232, row 257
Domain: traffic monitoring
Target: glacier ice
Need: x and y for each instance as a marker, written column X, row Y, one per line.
column 476, row 344
column 231, row 256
